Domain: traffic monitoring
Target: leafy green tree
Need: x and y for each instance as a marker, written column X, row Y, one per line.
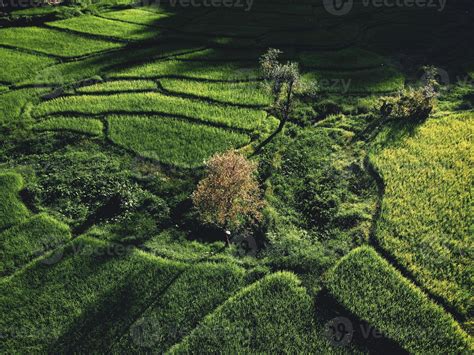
column 283, row 81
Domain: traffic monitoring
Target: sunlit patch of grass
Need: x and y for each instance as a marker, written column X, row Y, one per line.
column 375, row 291
column 18, row 65
column 427, row 205
column 105, row 27
column 76, row 124
column 170, row 140
column 52, row 41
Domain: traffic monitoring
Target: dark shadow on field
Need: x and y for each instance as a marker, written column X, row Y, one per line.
column 108, row 318
column 363, row 336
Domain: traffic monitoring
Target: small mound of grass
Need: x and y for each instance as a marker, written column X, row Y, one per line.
column 12, row 210
column 234, row 93
column 375, row 291
column 137, row 16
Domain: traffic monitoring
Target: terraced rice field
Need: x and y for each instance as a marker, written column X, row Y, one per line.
column 108, row 113
column 426, row 227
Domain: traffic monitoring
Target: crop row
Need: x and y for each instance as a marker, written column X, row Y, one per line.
column 242, row 118
column 100, row 26
column 375, row 291
column 171, row 140
column 52, row 42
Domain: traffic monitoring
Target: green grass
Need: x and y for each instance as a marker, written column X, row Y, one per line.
column 372, row 289
column 118, row 86
column 12, row 210
column 272, row 315
column 73, row 71
column 190, row 298
column 23, row 242
column 82, row 302
column 75, row 124
column 235, row 93
column 200, row 70
column 157, row 103
column 427, row 205
column 13, row 102
column 358, row 81
column 174, row 245
column 137, row 16
column 105, row 27
column 351, row 58
column 170, row 140
column 53, row 42
column 18, row 65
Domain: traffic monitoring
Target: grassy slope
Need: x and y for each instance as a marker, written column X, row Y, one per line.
column 12, row 210
column 427, row 206
column 376, row 292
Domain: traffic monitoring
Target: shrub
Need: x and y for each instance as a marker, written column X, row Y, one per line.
column 413, row 104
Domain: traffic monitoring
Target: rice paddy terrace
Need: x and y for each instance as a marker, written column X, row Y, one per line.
column 107, row 114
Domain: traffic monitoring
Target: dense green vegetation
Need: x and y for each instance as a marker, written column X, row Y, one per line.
column 11, row 208
column 17, row 65
column 75, row 124
column 272, row 315
column 425, row 222
column 170, row 140
column 373, row 290
column 156, row 103
column 21, row 243
column 104, row 27
column 109, row 114
column 52, row 42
